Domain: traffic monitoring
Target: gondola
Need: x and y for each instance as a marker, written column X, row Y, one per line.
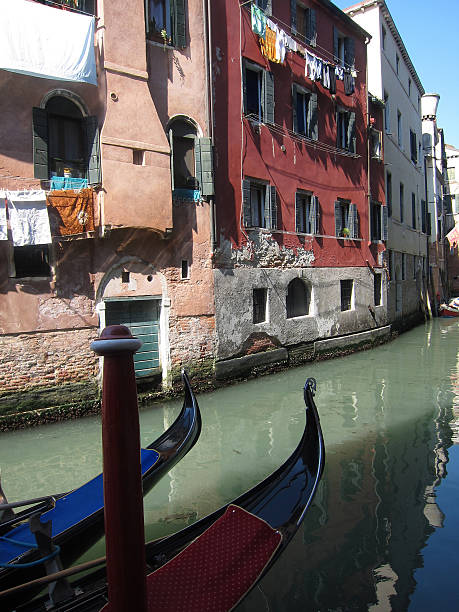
column 211, row 565
column 78, row 516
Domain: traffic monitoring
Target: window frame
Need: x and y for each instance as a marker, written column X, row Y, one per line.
column 343, row 49
column 378, row 222
column 30, row 251
column 346, row 218
column 307, row 213
column 345, row 129
column 309, row 112
column 294, row 302
column 175, row 18
column 347, row 294
column 259, row 305
column 377, row 289
column 266, row 103
column 267, row 208
column 309, row 36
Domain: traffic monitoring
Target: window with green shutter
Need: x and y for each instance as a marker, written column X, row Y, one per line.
column 306, row 213
column 345, row 130
column 304, row 106
column 259, row 202
column 303, row 22
column 343, row 49
column 258, row 92
column 65, row 142
column 165, row 22
column 346, row 219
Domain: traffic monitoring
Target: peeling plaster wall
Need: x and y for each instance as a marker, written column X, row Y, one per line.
column 238, row 335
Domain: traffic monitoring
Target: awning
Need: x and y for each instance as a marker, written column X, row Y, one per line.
column 46, row 42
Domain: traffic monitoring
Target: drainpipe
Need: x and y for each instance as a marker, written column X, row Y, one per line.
column 206, row 8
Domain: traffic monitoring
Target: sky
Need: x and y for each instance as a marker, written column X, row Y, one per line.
column 430, row 33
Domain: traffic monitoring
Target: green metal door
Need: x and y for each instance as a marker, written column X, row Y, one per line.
column 141, row 316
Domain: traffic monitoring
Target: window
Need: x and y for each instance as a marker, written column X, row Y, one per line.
column 346, row 219
column 451, row 173
column 305, row 112
column 298, row 299
column 345, row 130
column 423, row 216
column 343, row 48
column 383, row 37
column 399, row 129
column 32, row 261
column 409, row 87
column 259, row 305
column 65, row 141
column 191, row 158
column 378, row 221
column 265, row 5
column 166, row 22
column 389, row 193
column 375, row 144
column 413, row 147
column 258, row 93
column 303, row 23
column 390, row 263
column 397, row 64
column 377, row 284
column 347, row 287
column 306, row 213
column 413, row 210
column 403, row 266
column 185, row 269
column 386, row 113
column 401, row 203
column 83, row 6
column 259, row 204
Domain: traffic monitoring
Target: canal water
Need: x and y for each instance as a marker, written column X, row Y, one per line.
column 383, row 532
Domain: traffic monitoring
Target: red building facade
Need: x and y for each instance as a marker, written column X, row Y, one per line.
column 294, row 203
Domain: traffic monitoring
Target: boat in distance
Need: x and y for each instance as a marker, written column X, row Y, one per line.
column 211, row 565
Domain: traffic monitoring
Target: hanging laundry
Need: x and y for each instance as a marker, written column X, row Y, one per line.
column 28, row 217
column 281, row 45
column 292, row 44
column 332, row 75
column 258, row 21
column 313, row 67
column 349, row 83
column 268, row 44
column 339, row 72
column 64, row 182
column 70, row 212
column 326, row 76
column 3, row 223
column 354, row 73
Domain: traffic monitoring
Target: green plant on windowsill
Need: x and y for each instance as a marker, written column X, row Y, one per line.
column 166, row 39
column 345, row 232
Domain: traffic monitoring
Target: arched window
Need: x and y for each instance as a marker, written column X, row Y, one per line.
column 182, row 136
column 298, row 299
column 66, row 143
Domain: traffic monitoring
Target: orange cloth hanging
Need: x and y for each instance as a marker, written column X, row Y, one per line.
column 268, row 45
column 70, row 212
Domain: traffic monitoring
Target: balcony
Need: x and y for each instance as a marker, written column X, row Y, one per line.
column 82, row 6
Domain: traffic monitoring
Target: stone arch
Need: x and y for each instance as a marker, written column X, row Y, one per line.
column 298, row 300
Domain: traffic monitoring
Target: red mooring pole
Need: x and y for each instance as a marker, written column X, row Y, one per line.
column 123, row 499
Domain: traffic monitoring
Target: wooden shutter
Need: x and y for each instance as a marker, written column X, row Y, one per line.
column 244, row 85
column 246, row 206
column 267, row 7
column 313, row 126
column 204, row 165
column 353, row 221
column 293, row 16
column 335, row 44
column 91, row 126
column 349, row 51
column 271, row 207
column 314, row 215
column 294, row 102
column 268, row 97
column 311, row 27
column 351, row 133
column 298, row 217
column 179, row 37
column 171, row 143
column 40, row 143
column 384, row 222
column 338, row 219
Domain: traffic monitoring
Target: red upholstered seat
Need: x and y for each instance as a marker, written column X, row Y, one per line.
column 217, row 569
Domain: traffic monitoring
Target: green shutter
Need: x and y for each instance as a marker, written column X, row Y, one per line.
column 313, row 127
column 353, row 221
column 271, row 207
column 93, row 150
column 244, row 85
column 338, row 219
column 293, row 16
column 204, row 165
column 179, row 35
column 335, row 44
column 351, row 133
column 384, row 222
column 314, row 215
column 246, row 207
column 312, row 28
column 171, row 143
column 349, row 51
column 268, row 97
column 298, row 225
column 40, row 143
column 294, row 102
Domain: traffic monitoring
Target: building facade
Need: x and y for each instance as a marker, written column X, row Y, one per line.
column 393, row 79
column 116, row 155
column 296, row 259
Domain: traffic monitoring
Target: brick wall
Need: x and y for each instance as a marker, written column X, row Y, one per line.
column 45, row 359
column 192, row 339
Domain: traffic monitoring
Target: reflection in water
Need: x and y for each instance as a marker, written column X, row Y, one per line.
column 382, row 522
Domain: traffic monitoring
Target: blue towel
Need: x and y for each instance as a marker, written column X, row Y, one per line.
column 64, row 182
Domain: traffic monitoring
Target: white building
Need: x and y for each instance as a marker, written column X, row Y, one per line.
column 393, row 78
column 452, row 156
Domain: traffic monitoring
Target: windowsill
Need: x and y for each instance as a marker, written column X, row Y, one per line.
column 154, row 43
column 306, row 316
column 30, row 279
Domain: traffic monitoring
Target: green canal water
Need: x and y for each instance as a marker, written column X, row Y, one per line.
column 383, row 532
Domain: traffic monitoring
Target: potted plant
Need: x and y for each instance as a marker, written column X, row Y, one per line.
column 345, row 232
